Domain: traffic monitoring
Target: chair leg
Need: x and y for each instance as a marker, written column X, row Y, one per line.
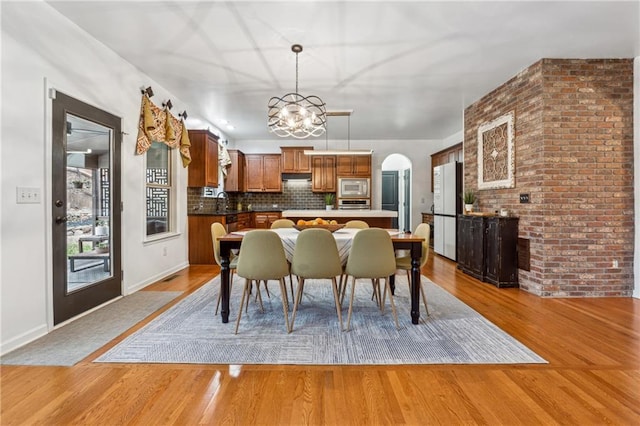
column 337, row 300
column 375, row 282
column 353, row 292
column 244, row 293
column 300, row 290
column 343, row 286
column 387, row 288
column 283, row 292
column 259, row 295
column 296, row 301
column 291, row 284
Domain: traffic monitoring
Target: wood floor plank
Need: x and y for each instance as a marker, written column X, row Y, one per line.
column 592, row 345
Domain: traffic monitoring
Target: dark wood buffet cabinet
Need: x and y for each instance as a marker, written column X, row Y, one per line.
column 488, row 248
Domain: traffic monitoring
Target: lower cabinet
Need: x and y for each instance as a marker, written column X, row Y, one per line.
column 200, row 243
column 488, row 249
column 263, row 220
column 244, row 221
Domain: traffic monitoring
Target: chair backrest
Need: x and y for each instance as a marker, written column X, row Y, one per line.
column 424, row 230
column 262, row 256
column 316, row 255
column 360, row 224
column 282, row 223
column 371, row 254
column 217, row 230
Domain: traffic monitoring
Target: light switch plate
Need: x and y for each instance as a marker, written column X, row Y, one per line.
column 27, row 195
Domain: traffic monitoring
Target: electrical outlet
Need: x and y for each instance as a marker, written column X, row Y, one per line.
column 614, row 264
column 164, row 251
column 524, row 198
column 27, row 195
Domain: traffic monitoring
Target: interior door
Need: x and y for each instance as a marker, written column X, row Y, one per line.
column 86, row 207
column 390, row 195
column 407, row 200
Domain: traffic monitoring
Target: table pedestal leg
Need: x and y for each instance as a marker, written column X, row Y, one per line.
column 415, row 285
column 224, row 287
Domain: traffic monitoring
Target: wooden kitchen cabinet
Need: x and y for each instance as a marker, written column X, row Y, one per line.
column 323, row 173
column 263, row 220
column 200, row 243
column 353, row 165
column 262, row 173
column 294, row 160
column 203, row 169
column 234, row 182
column 487, row 248
column 244, row 221
column 448, row 155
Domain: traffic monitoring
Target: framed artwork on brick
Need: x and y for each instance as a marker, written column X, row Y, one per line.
column 496, row 165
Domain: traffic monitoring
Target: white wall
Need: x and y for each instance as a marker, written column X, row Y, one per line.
column 42, row 49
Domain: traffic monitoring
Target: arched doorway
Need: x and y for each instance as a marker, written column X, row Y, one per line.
column 396, row 188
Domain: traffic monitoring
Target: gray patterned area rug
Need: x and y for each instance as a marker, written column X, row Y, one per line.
column 190, row 333
column 75, row 341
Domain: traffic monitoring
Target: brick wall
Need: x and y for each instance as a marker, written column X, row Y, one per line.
column 574, row 156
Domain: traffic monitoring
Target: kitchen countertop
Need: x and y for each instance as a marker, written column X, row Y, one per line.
column 339, row 213
column 228, row 212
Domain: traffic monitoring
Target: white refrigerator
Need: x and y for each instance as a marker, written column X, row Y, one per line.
column 447, row 188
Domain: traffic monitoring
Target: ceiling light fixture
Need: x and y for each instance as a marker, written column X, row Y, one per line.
column 297, row 116
column 348, row 151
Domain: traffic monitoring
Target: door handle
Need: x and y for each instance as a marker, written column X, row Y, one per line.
column 61, row 219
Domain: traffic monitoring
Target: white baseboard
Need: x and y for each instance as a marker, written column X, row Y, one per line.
column 139, row 286
column 21, row 340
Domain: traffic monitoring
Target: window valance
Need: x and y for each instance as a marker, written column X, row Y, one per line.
column 159, row 125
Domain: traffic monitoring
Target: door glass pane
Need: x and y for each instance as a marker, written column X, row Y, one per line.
column 88, row 151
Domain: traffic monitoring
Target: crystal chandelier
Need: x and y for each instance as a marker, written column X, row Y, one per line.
column 295, row 115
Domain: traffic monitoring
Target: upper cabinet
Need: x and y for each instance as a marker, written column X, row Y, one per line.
column 234, row 182
column 323, row 173
column 353, row 165
column 448, row 155
column 263, row 173
column 294, row 160
column 203, row 170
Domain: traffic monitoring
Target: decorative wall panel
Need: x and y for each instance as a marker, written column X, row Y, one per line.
column 495, row 153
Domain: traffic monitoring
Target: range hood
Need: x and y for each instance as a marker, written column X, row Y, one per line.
column 296, row 176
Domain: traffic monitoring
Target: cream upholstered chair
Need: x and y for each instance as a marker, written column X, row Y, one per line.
column 282, row 223
column 360, row 224
column 316, row 257
column 404, row 263
column 371, row 256
column 218, row 230
column 262, row 259
column 279, row 224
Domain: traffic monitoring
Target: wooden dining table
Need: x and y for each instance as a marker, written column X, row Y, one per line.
column 400, row 240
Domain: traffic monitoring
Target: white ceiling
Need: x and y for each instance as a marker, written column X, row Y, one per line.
column 407, row 69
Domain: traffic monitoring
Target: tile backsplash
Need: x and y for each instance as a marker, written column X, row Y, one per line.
column 294, row 195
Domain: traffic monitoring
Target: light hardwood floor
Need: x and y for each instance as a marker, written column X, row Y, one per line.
column 593, row 376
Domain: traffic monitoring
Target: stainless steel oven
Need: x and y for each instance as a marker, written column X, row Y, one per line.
column 354, row 204
column 354, row 188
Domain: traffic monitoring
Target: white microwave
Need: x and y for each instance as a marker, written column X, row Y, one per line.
column 354, row 188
